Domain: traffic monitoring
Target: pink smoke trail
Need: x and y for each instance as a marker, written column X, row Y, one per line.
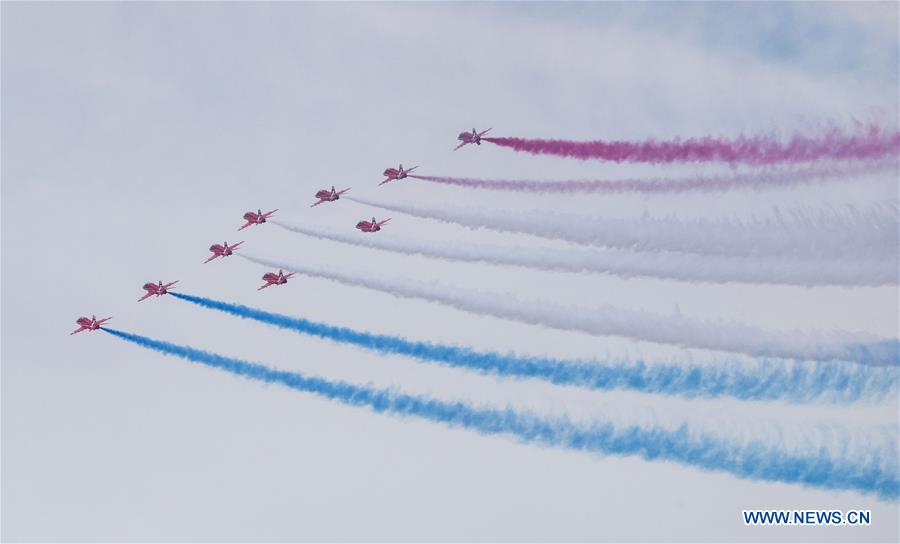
column 868, row 142
column 753, row 180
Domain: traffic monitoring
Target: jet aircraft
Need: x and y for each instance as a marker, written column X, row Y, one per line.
column 257, row 218
column 473, row 137
column 222, row 250
column 328, row 196
column 371, row 226
column 272, row 278
column 396, row 173
column 156, row 289
column 91, row 324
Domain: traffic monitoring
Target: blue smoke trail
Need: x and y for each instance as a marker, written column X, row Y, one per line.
column 802, row 382
column 754, row 460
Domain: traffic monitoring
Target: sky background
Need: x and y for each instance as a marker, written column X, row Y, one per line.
column 134, row 135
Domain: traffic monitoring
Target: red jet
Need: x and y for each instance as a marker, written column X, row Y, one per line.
column 396, row 173
column 257, row 218
column 470, row 138
column 91, row 324
column 156, row 289
column 371, row 226
column 328, row 196
column 272, row 278
column 223, row 250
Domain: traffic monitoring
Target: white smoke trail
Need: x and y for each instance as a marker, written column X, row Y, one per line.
column 608, row 320
column 847, row 234
column 873, row 271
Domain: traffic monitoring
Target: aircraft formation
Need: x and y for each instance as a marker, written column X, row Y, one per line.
column 252, row 218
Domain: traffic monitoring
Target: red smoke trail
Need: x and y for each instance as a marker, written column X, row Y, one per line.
column 754, row 180
column 866, row 143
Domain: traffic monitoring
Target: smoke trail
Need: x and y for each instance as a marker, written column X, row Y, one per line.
column 755, row 460
column 874, row 271
column 607, row 320
column 754, row 180
column 825, row 235
column 866, row 143
column 768, row 381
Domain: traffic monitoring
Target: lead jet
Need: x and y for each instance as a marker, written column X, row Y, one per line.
column 328, row 196
column 272, row 278
column 91, row 324
column 371, row 226
column 473, row 137
column 222, row 251
column 159, row 289
column 257, row 218
column 396, row 173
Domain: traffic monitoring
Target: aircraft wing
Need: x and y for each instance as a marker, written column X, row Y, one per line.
column 266, row 285
column 289, row 276
column 212, row 257
column 383, row 222
column 170, row 284
column 460, row 145
column 385, row 181
column 78, row 330
column 245, row 226
column 145, row 297
column 483, row 132
column 267, row 214
column 104, row 320
column 236, row 245
column 317, row 203
column 344, row 191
